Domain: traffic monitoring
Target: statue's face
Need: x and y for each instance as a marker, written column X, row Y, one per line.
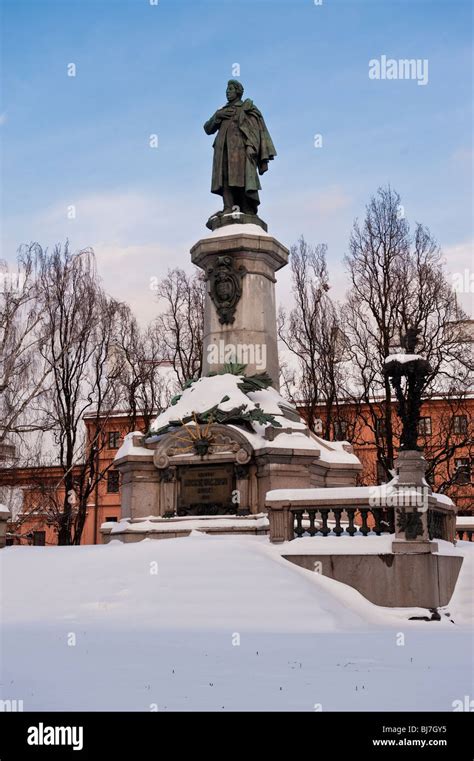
column 231, row 93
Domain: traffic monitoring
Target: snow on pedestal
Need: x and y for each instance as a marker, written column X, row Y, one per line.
column 252, row 428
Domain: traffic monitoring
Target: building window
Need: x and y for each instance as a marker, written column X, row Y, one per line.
column 380, row 427
column 111, row 519
column 39, row 538
column 460, row 424
column 463, row 470
column 113, row 481
column 114, row 439
column 340, row 430
column 424, row 426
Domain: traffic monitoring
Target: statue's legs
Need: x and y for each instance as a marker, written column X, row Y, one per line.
column 227, row 194
column 247, row 205
column 233, row 195
column 228, row 199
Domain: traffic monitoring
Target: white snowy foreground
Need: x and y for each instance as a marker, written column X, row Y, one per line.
column 218, row 623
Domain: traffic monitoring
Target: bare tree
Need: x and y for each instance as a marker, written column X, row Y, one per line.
column 443, row 445
column 79, row 330
column 313, row 334
column 137, row 355
column 398, row 281
column 179, row 327
column 23, row 374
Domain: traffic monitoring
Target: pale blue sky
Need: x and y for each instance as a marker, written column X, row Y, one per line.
column 162, row 69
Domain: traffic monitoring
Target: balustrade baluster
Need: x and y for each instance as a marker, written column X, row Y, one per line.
column 390, row 518
column 312, row 530
column 351, row 529
column 337, row 511
column 324, row 517
column 364, row 529
column 299, row 530
column 377, row 513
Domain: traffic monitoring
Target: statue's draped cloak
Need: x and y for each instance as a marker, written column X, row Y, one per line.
column 246, row 128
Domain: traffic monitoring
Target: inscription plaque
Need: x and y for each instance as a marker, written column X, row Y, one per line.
column 206, row 489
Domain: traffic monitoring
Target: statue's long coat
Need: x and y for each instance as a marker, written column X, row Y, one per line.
column 245, row 128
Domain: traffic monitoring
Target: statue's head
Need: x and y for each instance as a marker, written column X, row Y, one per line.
column 234, row 90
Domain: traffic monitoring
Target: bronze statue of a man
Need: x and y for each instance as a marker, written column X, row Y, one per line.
column 242, row 149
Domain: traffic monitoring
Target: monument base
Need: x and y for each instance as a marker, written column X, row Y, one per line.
column 220, row 219
column 135, row 530
column 230, row 437
column 214, row 468
column 240, row 326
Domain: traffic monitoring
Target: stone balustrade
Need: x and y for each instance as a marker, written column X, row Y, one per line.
column 293, row 518
column 412, row 572
column 465, row 527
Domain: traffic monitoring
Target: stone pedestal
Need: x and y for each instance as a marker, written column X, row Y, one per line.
column 411, row 468
column 155, row 471
column 417, row 580
column 254, row 441
column 240, row 262
column 411, row 507
column 140, row 486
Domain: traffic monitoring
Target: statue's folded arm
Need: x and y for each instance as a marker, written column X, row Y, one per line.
column 212, row 125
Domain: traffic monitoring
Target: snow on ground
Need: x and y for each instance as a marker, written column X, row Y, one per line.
column 170, row 640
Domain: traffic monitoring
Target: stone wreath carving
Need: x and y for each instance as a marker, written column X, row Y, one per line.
column 225, row 287
column 410, row 523
column 219, row 443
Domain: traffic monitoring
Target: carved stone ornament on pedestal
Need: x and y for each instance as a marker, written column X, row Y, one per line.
column 168, row 475
column 242, row 472
column 410, row 523
column 220, row 441
column 225, row 287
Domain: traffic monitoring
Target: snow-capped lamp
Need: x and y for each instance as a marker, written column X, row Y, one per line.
column 413, row 369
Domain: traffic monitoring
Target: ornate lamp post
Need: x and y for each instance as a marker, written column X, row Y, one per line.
column 414, row 369
column 407, row 373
